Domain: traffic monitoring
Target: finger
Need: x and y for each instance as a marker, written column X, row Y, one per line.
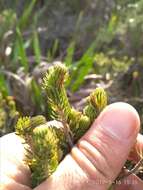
column 107, row 144
column 10, row 184
column 11, row 159
column 133, row 182
column 100, row 154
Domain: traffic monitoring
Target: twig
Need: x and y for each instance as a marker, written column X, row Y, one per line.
column 135, row 170
column 132, row 171
column 67, row 130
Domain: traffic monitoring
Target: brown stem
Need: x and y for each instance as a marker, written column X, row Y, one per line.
column 67, row 130
column 126, row 173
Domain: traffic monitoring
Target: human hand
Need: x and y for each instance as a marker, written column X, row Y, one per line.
column 93, row 163
column 14, row 175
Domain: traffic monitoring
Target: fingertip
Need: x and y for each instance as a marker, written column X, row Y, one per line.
column 121, row 118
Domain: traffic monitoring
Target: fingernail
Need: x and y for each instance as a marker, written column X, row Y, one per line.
column 120, row 119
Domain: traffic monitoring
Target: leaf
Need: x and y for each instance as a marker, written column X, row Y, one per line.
column 21, row 50
column 3, row 86
column 52, row 52
column 82, row 68
column 70, row 52
column 36, row 47
column 55, row 47
column 26, row 15
column 37, row 95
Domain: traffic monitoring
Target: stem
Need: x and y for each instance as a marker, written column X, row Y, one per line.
column 126, row 173
column 132, row 171
column 67, row 130
column 137, row 166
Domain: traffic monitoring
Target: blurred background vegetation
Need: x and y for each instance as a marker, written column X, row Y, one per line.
column 100, row 41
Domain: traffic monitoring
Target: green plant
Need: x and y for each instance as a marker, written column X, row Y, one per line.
column 8, row 114
column 109, row 64
column 48, row 142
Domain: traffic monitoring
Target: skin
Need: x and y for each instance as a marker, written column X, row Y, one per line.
column 93, row 163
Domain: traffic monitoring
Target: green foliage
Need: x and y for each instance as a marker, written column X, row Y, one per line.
column 8, row 114
column 24, row 19
column 124, row 24
column 106, row 63
column 115, row 41
column 85, row 64
column 36, row 47
column 52, row 52
column 49, row 142
column 3, row 86
column 82, row 68
column 7, row 20
column 20, row 50
column 70, row 53
column 46, row 153
column 100, row 37
column 37, row 97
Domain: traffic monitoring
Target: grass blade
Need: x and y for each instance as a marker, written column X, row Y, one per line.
column 82, row 68
column 26, row 15
column 36, row 47
column 21, row 50
column 37, row 96
column 70, row 53
column 3, row 85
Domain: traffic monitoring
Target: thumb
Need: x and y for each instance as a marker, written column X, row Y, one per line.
column 96, row 160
